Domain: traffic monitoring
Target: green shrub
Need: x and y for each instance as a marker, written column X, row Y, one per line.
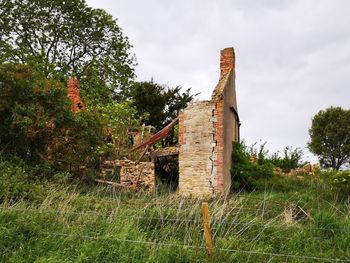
column 247, row 174
column 17, row 183
column 32, row 111
column 37, row 123
column 291, row 159
column 62, row 177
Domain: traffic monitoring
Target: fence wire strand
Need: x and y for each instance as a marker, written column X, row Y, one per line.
column 197, row 247
column 302, row 257
column 213, row 223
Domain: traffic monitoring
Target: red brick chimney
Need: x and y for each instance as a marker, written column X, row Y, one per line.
column 73, row 88
column 227, row 60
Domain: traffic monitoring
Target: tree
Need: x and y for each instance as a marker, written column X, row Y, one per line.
column 67, row 38
column 159, row 103
column 330, row 137
column 117, row 118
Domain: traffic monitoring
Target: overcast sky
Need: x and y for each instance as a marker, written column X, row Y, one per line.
column 292, row 57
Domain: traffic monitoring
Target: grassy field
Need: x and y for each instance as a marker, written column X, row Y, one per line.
column 301, row 222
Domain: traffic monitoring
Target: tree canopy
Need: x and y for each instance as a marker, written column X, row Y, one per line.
column 330, row 137
column 159, row 103
column 67, row 38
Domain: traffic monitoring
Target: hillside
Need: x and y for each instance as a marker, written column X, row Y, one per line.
column 303, row 221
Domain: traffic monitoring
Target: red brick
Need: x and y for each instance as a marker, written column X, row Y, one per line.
column 73, row 88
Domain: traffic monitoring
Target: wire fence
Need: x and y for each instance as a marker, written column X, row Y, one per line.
column 216, row 223
column 304, row 257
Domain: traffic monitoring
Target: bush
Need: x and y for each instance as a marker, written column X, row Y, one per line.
column 37, row 123
column 117, row 118
column 247, row 174
column 32, row 110
column 291, row 159
column 338, row 181
column 78, row 144
column 17, row 183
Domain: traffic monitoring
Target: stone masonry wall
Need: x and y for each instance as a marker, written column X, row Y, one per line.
column 196, row 156
column 137, row 175
column 133, row 175
column 206, row 132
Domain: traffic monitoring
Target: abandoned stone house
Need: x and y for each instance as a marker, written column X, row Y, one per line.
column 206, row 131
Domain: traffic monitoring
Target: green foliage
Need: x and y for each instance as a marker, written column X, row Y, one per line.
column 330, row 137
column 327, row 223
column 257, row 151
column 159, row 102
column 17, row 182
column 33, row 111
column 291, row 159
column 37, row 124
column 78, row 143
column 67, row 38
column 117, row 118
column 246, row 174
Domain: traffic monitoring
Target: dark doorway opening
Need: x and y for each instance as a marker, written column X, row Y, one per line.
column 167, row 172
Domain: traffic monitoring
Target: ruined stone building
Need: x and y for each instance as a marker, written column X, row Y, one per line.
column 206, row 132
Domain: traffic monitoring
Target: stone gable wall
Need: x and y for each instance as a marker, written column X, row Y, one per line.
column 206, row 132
column 196, row 157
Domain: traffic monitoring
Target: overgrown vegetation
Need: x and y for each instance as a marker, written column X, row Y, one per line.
column 247, row 173
column 253, row 167
column 96, row 224
column 158, row 104
column 37, row 124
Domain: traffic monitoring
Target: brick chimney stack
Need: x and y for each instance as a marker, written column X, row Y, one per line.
column 73, row 87
column 227, row 60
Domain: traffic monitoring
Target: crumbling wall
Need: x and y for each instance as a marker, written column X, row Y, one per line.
column 197, row 174
column 206, row 132
column 137, row 175
column 133, row 175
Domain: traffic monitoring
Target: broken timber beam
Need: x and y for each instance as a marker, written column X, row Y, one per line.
column 108, row 182
column 168, row 151
column 159, row 135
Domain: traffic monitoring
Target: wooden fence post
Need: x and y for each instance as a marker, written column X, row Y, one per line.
column 207, row 232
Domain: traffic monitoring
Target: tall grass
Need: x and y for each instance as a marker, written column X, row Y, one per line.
column 76, row 224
